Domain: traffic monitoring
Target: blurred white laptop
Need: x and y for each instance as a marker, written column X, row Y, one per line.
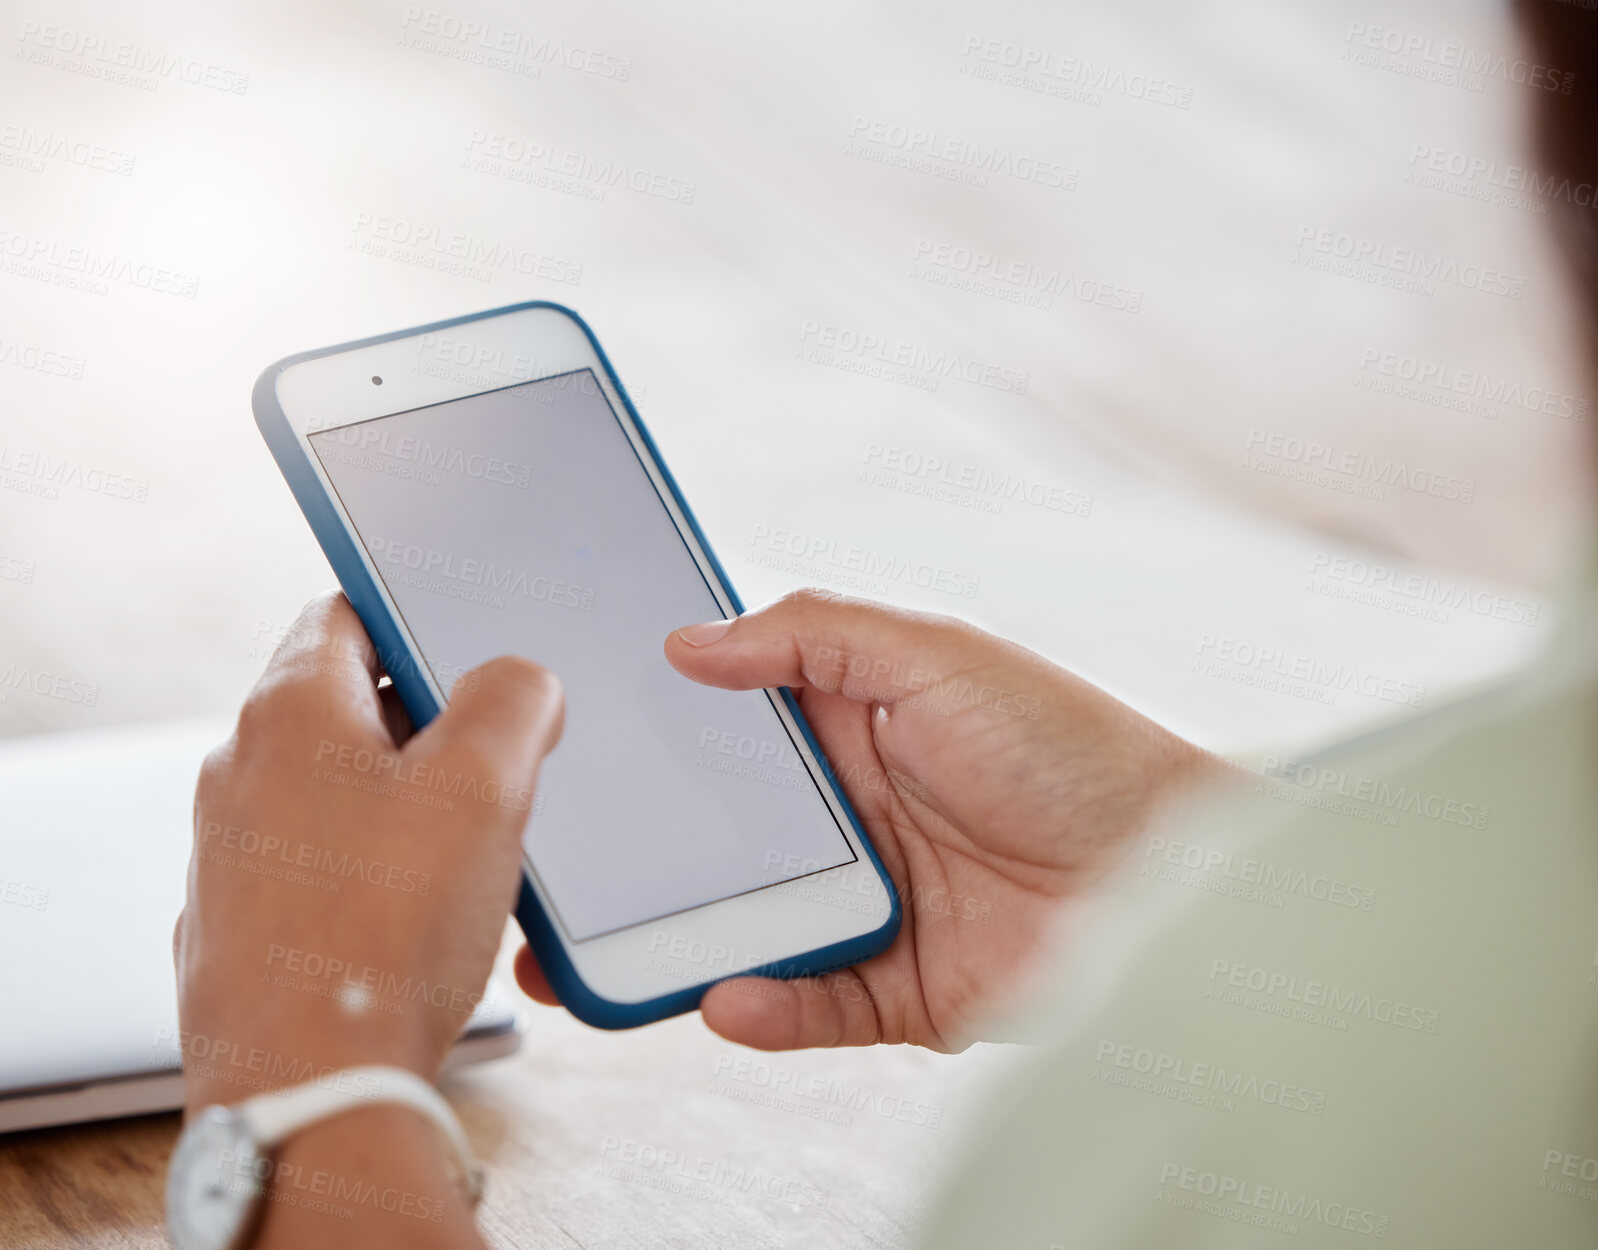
column 95, row 829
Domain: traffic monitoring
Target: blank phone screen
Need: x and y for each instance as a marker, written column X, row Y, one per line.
column 522, row 522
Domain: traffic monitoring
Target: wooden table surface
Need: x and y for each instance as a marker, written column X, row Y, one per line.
column 666, row 1136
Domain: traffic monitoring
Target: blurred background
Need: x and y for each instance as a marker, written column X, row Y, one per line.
column 1217, row 352
column 1190, row 346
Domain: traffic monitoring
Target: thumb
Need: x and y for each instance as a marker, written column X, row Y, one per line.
column 502, row 719
column 835, row 1009
column 865, row 651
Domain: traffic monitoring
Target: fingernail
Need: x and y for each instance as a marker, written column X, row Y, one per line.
column 704, row 635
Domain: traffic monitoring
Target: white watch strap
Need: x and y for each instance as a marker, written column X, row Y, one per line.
column 274, row 1117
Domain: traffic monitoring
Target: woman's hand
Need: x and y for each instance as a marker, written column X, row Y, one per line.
column 350, row 882
column 993, row 784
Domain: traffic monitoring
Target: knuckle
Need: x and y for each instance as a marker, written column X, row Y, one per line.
column 812, row 598
column 309, row 633
column 215, row 769
column 286, row 704
column 319, row 610
column 261, row 715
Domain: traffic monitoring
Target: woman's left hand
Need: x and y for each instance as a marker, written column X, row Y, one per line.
column 350, row 881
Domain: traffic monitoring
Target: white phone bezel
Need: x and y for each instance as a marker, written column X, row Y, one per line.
column 768, row 925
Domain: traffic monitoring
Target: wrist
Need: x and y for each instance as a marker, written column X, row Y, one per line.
column 1158, row 772
column 235, row 1060
column 373, row 1176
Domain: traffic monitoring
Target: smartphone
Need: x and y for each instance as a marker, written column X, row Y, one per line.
column 484, row 486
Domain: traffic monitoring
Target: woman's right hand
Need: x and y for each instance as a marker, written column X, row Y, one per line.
column 994, row 785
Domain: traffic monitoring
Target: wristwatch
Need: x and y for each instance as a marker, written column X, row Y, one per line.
column 216, row 1181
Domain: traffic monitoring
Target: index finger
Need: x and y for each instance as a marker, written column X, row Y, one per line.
column 865, row 651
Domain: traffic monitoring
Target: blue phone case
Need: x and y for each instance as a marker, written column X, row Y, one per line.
column 404, row 668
